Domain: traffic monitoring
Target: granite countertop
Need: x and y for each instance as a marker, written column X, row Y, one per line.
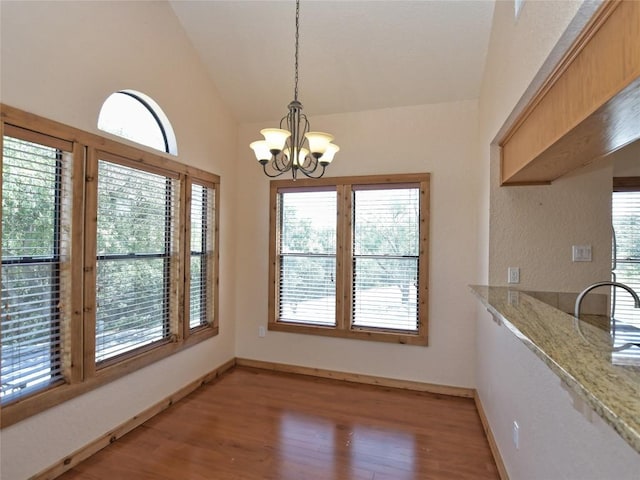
column 581, row 354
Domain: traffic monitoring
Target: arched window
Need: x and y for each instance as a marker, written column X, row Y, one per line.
column 135, row 116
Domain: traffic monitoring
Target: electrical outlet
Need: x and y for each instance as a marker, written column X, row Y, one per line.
column 261, row 332
column 513, row 275
column 516, row 435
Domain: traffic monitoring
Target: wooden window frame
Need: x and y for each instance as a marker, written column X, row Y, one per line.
column 80, row 372
column 211, row 258
column 344, row 294
column 626, row 184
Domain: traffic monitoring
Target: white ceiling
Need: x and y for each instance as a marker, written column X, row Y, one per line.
column 354, row 54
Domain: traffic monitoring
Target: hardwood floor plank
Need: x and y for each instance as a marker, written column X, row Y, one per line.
column 255, row 425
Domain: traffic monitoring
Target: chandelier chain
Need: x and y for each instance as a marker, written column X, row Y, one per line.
column 295, row 92
column 293, row 147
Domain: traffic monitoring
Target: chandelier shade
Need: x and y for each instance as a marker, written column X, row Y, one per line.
column 312, row 151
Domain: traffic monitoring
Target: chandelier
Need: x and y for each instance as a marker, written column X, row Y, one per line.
column 292, row 147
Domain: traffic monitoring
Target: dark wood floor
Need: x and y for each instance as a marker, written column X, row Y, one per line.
column 254, row 424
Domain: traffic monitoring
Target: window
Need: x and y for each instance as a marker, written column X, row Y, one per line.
column 349, row 257
column 626, row 261
column 136, row 239
column 135, row 116
column 202, row 258
column 386, row 258
column 109, row 261
column 307, row 257
column 34, row 194
column 517, row 8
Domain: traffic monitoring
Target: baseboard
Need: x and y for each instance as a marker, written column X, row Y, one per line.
column 502, row 471
column 85, row 452
column 358, row 378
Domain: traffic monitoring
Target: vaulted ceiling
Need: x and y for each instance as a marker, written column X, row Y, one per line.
column 354, row 54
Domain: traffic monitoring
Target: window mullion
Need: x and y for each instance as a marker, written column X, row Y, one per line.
column 74, row 323
column 343, row 257
column 90, row 264
column 185, row 269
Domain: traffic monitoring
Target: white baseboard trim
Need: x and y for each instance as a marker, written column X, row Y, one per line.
column 358, row 378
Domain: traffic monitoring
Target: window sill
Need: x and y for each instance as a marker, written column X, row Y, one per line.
column 357, row 334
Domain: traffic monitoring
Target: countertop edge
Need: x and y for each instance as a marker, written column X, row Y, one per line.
column 573, row 386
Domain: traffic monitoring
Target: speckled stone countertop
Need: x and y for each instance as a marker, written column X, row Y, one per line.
column 581, row 354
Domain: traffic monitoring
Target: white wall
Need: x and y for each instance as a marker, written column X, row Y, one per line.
column 440, row 139
column 557, row 441
column 61, row 60
column 560, row 437
column 626, row 161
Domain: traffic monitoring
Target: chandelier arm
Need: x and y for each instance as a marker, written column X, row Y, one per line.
column 311, row 173
column 305, row 128
column 280, row 163
column 311, row 167
column 275, row 175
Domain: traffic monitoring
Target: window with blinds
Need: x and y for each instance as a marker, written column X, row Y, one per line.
column 32, row 290
column 134, row 244
column 349, row 257
column 626, row 263
column 386, row 228
column 307, row 257
column 202, row 221
column 98, row 238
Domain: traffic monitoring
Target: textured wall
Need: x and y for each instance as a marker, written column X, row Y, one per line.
column 61, row 60
column 534, row 228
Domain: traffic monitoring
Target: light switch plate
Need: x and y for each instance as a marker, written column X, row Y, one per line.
column 581, row 253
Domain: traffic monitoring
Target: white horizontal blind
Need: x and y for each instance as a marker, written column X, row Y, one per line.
column 200, row 301
column 31, row 290
column 307, row 257
column 626, row 224
column 135, row 231
column 385, row 258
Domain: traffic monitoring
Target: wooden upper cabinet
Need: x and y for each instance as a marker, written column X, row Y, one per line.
column 587, row 108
